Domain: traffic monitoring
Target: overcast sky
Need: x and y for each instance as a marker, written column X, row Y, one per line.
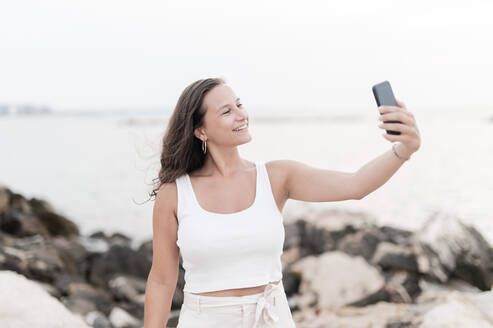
column 110, row 54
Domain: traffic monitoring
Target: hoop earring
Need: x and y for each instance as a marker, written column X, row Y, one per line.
column 204, row 146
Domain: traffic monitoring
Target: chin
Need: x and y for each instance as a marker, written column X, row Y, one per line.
column 246, row 140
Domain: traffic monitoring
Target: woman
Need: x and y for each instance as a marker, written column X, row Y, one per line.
column 223, row 212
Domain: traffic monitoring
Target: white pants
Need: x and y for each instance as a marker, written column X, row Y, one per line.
column 268, row 309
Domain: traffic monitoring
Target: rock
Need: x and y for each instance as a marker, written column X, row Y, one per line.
column 127, row 288
column 290, row 256
column 461, row 311
column 73, row 254
column 25, row 304
column 56, row 224
column 39, row 262
column 19, row 203
column 362, row 243
column 396, row 235
column 145, row 251
column 7, row 239
column 115, row 239
column 292, row 234
column 119, row 318
column 120, row 239
column 101, row 299
column 40, row 205
column 22, row 218
column 402, row 286
column 94, row 244
column 396, row 257
column 291, row 282
column 20, row 224
column 380, row 315
column 119, row 259
column 447, row 247
column 97, row 319
column 78, row 305
column 322, row 231
column 4, row 200
column 13, row 259
column 433, row 292
column 339, row 279
column 305, row 300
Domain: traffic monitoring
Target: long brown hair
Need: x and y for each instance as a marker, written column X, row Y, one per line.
column 181, row 149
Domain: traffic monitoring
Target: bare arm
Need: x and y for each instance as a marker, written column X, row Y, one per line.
column 312, row 184
column 379, row 170
column 163, row 276
column 306, row 183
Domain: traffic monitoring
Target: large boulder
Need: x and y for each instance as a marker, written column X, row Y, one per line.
column 323, row 230
column 117, row 260
column 335, row 279
column 461, row 310
column 26, row 304
column 391, row 256
column 21, row 217
column 446, row 247
column 362, row 243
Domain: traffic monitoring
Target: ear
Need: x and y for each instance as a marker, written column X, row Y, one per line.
column 198, row 132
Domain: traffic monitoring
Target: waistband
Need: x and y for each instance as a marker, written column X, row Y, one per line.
column 265, row 302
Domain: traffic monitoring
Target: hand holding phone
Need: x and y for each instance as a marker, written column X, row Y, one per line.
column 385, row 97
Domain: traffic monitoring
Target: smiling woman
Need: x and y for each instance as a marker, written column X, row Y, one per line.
column 209, row 205
column 222, row 213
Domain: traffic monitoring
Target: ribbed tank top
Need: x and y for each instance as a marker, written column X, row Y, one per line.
column 233, row 250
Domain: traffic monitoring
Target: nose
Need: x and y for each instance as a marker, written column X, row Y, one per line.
column 242, row 117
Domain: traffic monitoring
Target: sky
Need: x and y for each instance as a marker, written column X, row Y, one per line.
column 276, row 55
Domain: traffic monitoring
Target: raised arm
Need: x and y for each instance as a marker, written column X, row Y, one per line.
column 163, row 276
column 311, row 184
column 306, row 183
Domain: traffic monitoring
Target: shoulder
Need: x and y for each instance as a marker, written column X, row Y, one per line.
column 167, row 197
column 282, row 167
column 279, row 172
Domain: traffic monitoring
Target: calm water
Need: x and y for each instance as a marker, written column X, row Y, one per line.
column 93, row 167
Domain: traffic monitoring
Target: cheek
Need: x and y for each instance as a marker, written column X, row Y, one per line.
column 220, row 127
column 225, row 125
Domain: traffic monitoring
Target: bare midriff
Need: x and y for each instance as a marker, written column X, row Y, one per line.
column 237, row 291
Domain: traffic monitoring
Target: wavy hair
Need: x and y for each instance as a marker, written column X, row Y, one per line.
column 181, row 149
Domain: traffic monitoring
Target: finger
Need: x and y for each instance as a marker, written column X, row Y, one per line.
column 397, row 116
column 402, row 128
column 400, row 104
column 387, row 109
column 395, row 137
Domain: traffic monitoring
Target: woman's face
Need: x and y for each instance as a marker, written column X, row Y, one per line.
column 224, row 113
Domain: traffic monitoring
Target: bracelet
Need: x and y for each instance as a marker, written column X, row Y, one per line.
column 402, row 158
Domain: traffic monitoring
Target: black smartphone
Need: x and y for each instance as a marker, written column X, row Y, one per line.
column 385, row 97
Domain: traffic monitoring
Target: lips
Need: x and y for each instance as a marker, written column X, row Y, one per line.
column 245, row 127
column 241, row 130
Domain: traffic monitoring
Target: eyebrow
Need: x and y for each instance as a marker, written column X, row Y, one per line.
column 225, row 105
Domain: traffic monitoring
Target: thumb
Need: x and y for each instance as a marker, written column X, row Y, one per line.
column 400, row 104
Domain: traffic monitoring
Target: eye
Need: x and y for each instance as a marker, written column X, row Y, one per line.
column 239, row 105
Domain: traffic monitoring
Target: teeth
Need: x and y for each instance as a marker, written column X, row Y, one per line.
column 240, row 128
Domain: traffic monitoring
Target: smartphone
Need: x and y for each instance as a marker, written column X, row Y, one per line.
column 385, row 97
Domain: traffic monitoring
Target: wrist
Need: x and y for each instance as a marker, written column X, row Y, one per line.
column 402, row 151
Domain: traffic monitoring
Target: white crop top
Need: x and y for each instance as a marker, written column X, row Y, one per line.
column 234, row 250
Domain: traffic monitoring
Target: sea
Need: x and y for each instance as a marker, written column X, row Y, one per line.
column 96, row 167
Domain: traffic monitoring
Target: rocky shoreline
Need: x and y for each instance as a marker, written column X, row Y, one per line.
column 340, row 269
